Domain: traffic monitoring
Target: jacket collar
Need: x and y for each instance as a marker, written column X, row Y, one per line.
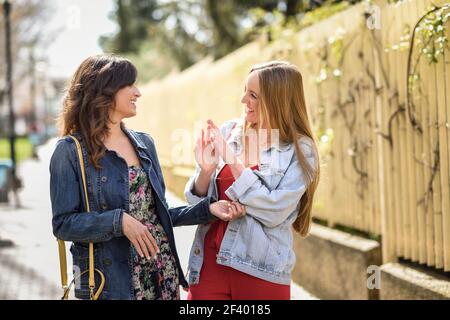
column 134, row 138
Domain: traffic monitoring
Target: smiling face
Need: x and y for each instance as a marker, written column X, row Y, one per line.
column 125, row 102
column 251, row 98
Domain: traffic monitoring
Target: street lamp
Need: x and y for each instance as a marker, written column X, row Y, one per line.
column 9, row 94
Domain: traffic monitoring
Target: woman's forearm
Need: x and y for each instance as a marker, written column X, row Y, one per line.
column 235, row 163
column 236, row 168
column 88, row 226
column 201, row 183
column 198, row 213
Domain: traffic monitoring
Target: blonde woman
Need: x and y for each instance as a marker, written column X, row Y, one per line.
column 268, row 162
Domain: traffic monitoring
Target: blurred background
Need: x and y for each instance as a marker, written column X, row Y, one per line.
column 376, row 78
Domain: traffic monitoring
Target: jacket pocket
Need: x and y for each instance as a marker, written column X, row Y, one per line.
column 276, row 259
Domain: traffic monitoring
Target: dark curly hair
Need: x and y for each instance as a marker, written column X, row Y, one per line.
column 89, row 98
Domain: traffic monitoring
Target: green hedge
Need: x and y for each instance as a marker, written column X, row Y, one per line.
column 24, row 149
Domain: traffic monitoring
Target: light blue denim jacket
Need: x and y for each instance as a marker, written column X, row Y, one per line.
column 260, row 243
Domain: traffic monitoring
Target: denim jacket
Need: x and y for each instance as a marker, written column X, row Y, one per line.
column 108, row 192
column 260, row 243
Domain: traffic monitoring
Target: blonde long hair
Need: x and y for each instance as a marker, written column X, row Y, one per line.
column 282, row 106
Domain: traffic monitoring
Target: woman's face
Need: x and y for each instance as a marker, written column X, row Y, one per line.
column 125, row 102
column 251, row 98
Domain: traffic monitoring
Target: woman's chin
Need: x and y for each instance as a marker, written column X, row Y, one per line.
column 130, row 114
column 251, row 119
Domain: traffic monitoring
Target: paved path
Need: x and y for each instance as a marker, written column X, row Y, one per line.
column 29, row 269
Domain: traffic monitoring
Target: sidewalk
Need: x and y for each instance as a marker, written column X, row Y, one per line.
column 29, row 269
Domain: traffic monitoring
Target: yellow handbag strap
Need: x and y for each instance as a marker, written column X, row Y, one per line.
column 62, row 263
column 62, row 247
column 94, row 296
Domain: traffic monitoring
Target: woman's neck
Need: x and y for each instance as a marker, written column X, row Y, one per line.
column 115, row 131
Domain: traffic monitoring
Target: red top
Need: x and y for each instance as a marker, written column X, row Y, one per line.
column 217, row 230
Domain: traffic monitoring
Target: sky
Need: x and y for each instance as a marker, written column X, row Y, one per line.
column 82, row 22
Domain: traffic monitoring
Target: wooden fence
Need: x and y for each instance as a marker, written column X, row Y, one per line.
column 379, row 99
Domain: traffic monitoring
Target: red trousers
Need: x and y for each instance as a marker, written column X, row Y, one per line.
column 219, row 282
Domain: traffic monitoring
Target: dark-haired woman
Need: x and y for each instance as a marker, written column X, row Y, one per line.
column 129, row 221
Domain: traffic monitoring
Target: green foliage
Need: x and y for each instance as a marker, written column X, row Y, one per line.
column 277, row 27
column 184, row 32
column 429, row 41
column 432, row 36
column 325, row 141
column 151, row 62
column 358, row 233
column 24, row 149
column 169, row 28
column 326, row 11
column 349, row 230
column 273, row 24
column 132, row 17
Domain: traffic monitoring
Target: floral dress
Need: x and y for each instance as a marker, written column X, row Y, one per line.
column 152, row 280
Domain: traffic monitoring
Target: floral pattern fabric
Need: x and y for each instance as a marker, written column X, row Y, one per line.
column 154, row 279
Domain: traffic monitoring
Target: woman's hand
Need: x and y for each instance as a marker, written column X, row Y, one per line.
column 226, row 210
column 224, row 151
column 220, row 145
column 205, row 153
column 139, row 236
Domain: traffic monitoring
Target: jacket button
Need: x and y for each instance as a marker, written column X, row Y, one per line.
column 197, row 251
column 104, row 179
column 107, row 262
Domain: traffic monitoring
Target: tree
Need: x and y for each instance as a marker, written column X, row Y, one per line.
column 188, row 30
column 28, row 20
column 133, row 18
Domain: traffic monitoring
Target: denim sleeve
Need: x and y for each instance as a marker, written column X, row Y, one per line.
column 192, row 198
column 192, row 215
column 271, row 207
column 70, row 222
